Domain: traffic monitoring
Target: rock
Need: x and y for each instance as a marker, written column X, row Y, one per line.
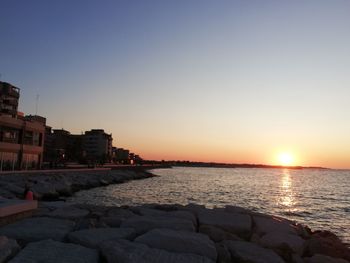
column 194, row 208
column 224, row 255
column 324, row 259
column 269, row 224
column 234, row 223
column 53, row 205
column 283, row 241
column 143, row 224
column 69, row 212
column 93, row 237
column 8, row 248
column 113, row 221
column 249, row 252
column 123, row 251
column 216, row 234
column 56, row 252
column 38, row 228
column 176, row 214
column 120, row 212
column 296, row 259
column 326, row 243
column 179, row 241
column 236, row 209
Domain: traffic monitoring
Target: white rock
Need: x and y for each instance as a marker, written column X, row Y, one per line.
column 179, row 241
column 239, row 224
column 56, row 252
column 123, row 251
column 249, row 252
column 269, row 224
column 283, row 241
column 8, row 248
column 38, row 228
column 93, row 237
column 324, row 259
column 143, row 224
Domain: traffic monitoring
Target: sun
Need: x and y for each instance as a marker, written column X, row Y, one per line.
column 285, row 159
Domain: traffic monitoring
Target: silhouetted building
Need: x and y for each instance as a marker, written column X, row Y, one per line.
column 97, row 145
column 21, row 137
column 121, row 156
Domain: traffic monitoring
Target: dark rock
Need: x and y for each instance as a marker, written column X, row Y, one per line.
column 324, row 259
column 217, row 234
column 8, row 248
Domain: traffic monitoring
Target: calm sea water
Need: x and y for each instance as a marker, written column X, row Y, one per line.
column 318, row 198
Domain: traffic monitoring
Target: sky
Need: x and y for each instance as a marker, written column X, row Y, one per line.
column 223, row 81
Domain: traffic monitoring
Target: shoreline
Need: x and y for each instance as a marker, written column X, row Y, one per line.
column 165, row 233
column 50, row 185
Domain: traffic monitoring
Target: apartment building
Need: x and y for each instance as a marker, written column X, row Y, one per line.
column 97, row 145
column 21, row 137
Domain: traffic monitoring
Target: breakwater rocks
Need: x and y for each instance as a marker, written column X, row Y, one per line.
column 52, row 185
column 60, row 232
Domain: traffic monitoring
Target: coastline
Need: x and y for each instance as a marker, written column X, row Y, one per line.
column 164, row 233
column 50, row 185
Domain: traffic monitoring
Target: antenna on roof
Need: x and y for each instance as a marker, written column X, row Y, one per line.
column 36, row 104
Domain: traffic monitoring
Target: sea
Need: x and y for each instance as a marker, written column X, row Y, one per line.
column 319, row 198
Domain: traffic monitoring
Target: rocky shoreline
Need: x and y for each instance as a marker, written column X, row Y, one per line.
column 53, row 185
column 61, row 232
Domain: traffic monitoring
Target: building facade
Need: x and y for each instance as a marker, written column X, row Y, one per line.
column 97, row 145
column 21, row 138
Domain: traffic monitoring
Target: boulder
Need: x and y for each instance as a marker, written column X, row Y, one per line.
column 177, row 214
column 326, row 243
column 324, row 259
column 119, row 212
column 8, row 248
column 143, row 224
column 123, row 251
column 38, row 228
column 93, row 237
column 238, row 224
column 69, row 212
column 236, row 209
column 224, row 255
column 269, row 224
column 179, row 241
column 56, row 252
column 249, row 252
column 217, row 234
column 283, row 241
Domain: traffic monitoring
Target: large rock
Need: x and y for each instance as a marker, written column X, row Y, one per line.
column 8, row 248
column 56, row 252
column 175, row 214
column 326, row 243
column 93, row 237
column 39, row 228
column 123, row 251
column 234, row 223
column 69, row 212
column 249, row 252
column 269, row 224
column 179, row 241
column 324, row 259
column 217, row 234
column 283, row 241
column 143, row 224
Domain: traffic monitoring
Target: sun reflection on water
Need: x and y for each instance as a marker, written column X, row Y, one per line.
column 287, row 195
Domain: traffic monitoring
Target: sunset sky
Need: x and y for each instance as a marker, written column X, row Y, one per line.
column 225, row 81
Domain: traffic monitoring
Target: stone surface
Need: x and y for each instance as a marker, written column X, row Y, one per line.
column 324, row 259
column 143, row 224
column 39, row 228
column 123, row 251
column 224, row 255
column 217, row 234
column 69, row 212
column 248, row 252
column 174, row 214
column 326, row 243
column 236, row 209
column 269, row 224
column 179, row 241
column 283, row 241
column 8, row 248
column 235, row 223
column 93, row 237
column 56, row 252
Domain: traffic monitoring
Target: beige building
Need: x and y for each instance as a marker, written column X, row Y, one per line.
column 21, row 138
column 97, row 145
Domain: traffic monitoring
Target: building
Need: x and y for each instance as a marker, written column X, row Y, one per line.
column 97, row 145
column 21, row 137
column 121, row 156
